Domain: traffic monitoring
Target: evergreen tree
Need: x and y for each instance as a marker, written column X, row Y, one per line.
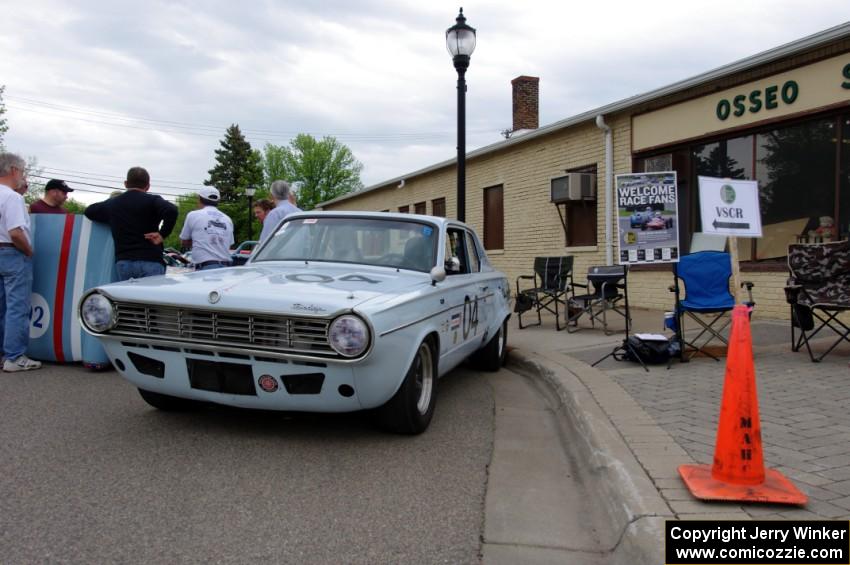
column 237, row 166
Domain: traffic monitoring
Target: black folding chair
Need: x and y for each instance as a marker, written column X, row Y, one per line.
column 705, row 276
column 606, row 290
column 552, row 278
column 818, row 291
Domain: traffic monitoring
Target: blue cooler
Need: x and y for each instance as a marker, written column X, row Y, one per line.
column 71, row 255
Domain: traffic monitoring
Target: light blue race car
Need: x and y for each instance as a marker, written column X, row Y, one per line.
column 335, row 312
column 639, row 218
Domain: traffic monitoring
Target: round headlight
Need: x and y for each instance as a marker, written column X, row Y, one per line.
column 97, row 313
column 349, row 336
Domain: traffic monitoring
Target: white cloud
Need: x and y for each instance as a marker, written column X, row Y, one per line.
column 374, row 73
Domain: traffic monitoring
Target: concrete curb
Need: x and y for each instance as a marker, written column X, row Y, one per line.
column 636, row 509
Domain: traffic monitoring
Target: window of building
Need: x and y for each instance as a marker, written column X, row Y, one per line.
column 579, row 216
column 404, row 209
column 438, row 207
column 798, row 167
column 419, row 208
column 494, row 218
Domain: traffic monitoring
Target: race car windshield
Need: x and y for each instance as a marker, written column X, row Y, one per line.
column 367, row 241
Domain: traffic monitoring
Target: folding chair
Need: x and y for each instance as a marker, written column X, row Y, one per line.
column 818, row 291
column 552, row 278
column 608, row 291
column 707, row 299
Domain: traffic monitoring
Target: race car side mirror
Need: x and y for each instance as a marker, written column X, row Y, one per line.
column 438, row 274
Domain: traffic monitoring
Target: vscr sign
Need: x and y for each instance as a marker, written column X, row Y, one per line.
column 730, row 207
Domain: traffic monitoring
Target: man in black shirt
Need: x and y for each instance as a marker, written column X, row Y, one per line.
column 139, row 222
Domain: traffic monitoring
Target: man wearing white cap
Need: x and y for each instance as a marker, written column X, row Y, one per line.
column 209, row 232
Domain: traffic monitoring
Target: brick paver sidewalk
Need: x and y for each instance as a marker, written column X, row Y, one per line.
column 804, row 415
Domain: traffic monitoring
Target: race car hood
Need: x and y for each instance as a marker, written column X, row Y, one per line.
column 297, row 288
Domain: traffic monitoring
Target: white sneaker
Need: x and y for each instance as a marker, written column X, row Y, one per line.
column 22, row 363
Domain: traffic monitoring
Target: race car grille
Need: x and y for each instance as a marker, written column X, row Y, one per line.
column 262, row 332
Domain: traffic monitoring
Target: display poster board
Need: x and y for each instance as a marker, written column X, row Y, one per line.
column 647, row 218
column 730, row 207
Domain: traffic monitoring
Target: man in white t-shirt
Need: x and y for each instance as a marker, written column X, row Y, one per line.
column 209, row 232
column 15, row 266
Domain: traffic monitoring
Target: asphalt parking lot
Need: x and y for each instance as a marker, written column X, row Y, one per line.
column 92, row 474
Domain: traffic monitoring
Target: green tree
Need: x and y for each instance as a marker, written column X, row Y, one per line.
column 274, row 164
column 324, row 168
column 237, row 166
column 35, row 181
column 185, row 204
column 237, row 211
column 74, row 206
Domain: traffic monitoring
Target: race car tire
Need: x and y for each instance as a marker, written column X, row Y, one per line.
column 410, row 410
column 493, row 356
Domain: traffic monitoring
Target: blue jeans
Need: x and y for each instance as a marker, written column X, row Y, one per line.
column 15, row 289
column 134, row 269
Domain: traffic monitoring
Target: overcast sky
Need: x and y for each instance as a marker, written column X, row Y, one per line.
column 93, row 88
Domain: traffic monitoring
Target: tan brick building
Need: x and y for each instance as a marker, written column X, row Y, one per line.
column 781, row 117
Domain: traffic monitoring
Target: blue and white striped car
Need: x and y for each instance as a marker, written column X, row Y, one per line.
column 336, row 312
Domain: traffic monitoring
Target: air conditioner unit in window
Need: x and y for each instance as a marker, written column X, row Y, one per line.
column 573, row 186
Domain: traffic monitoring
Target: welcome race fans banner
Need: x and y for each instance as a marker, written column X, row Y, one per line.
column 647, row 218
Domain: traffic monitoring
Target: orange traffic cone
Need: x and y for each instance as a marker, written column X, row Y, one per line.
column 738, row 472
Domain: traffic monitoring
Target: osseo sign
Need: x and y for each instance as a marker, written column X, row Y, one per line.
column 754, row 101
column 767, row 98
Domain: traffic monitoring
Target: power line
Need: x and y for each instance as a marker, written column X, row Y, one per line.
column 66, row 171
column 111, row 188
column 214, row 127
column 100, row 122
column 108, row 178
column 169, row 126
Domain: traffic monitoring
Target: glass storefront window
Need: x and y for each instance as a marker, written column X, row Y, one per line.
column 729, row 158
column 843, row 220
column 795, row 168
column 801, row 184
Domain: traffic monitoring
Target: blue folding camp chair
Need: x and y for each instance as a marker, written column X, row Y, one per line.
column 705, row 276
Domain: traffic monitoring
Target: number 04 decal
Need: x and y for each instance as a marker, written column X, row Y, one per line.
column 318, row 278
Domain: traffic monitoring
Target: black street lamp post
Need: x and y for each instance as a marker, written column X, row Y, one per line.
column 460, row 41
column 250, row 191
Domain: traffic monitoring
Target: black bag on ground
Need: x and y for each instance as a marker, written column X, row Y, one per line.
column 651, row 352
column 523, row 303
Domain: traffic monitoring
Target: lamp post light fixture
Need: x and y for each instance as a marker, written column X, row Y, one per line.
column 460, row 41
column 250, row 191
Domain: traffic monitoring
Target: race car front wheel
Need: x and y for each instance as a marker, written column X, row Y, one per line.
column 409, row 411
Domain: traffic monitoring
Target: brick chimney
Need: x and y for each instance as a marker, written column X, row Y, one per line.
column 526, row 102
